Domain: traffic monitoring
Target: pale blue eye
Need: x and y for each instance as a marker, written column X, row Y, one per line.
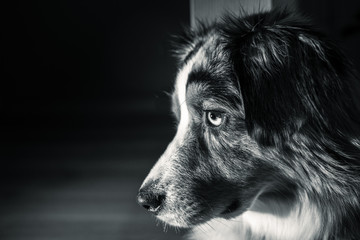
column 214, row 118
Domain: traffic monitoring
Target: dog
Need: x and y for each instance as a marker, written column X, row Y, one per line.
column 268, row 134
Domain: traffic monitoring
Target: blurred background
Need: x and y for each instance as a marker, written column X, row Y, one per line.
column 84, row 112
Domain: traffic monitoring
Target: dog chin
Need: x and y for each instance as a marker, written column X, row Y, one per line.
column 232, row 210
column 182, row 221
column 175, row 221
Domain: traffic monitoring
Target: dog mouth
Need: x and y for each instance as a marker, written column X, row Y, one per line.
column 230, row 211
column 231, row 208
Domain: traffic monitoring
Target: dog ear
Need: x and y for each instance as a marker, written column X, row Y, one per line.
column 282, row 69
column 262, row 62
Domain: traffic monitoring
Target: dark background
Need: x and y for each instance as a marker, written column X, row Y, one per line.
column 84, row 113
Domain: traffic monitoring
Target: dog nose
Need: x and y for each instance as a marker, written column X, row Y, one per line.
column 150, row 201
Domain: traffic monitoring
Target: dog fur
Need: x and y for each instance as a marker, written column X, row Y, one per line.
column 268, row 138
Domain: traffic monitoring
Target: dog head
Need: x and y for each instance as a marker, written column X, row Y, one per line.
column 245, row 87
column 198, row 175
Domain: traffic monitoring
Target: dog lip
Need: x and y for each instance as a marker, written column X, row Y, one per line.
column 155, row 211
column 234, row 205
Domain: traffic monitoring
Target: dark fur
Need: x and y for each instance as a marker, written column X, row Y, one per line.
column 284, row 91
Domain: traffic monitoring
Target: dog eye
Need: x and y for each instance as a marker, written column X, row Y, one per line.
column 214, row 118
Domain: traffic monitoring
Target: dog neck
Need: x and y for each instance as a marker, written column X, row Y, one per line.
column 268, row 218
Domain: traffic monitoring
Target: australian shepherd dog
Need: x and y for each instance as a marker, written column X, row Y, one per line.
column 268, row 135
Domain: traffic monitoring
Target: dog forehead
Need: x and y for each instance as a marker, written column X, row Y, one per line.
column 195, row 62
column 207, row 72
column 208, row 62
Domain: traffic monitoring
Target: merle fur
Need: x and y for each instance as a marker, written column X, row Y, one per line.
column 301, row 97
column 292, row 106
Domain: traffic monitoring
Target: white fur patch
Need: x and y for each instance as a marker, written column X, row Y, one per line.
column 166, row 167
column 302, row 221
column 163, row 167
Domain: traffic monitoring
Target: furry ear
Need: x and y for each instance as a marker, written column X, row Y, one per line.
column 288, row 77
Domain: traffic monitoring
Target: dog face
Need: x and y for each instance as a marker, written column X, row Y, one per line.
column 256, row 100
column 207, row 169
